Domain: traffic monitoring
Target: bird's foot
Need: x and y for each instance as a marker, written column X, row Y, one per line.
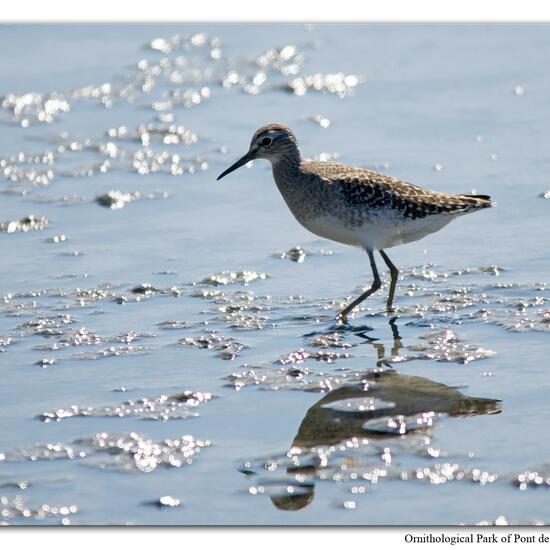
column 392, row 311
column 341, row 319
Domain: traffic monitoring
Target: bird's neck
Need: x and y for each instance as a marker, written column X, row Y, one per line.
column 287, row 164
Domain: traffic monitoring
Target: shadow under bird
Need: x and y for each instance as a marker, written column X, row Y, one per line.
column 399, row 395
column 353, row 205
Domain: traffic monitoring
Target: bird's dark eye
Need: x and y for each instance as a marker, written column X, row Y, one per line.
column 265, row 142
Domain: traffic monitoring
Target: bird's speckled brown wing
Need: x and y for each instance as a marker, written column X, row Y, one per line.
column 360, row 187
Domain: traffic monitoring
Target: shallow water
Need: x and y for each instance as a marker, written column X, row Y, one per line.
column 161, row 335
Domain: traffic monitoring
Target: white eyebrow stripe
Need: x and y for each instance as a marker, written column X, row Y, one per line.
column 271, row 133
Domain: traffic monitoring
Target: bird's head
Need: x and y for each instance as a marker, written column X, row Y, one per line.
column 273, row 142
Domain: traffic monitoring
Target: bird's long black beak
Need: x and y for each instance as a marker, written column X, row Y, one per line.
column 241, row 162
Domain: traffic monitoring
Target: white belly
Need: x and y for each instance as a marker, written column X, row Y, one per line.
column 332, row 229
column 379, row 234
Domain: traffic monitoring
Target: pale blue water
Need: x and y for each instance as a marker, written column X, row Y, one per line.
column 469, row 100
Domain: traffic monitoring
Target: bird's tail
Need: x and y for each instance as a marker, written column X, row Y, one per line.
column 478, row 201
column 482, row 197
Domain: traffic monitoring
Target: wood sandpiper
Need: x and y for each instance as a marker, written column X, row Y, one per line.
column 352, row 205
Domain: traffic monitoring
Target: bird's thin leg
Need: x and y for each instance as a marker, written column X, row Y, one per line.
column 394, row 273
column 375, row 286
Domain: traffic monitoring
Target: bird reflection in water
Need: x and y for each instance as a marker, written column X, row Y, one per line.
column 387, row 405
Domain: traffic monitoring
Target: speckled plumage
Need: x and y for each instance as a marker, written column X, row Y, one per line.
column 354, row 205
column 362, row 188
column 363, row 208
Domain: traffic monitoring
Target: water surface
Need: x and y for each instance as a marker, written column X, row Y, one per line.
column 156, row 338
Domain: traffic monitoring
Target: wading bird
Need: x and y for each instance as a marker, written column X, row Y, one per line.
column 352, row 205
